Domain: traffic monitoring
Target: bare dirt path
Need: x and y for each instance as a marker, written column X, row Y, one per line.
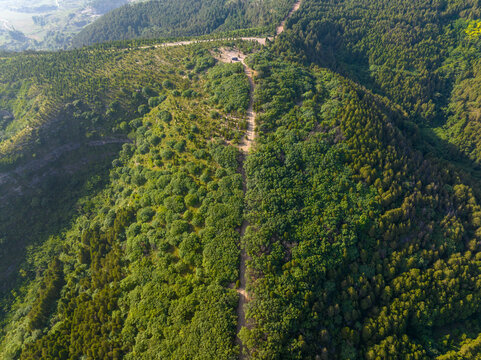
column 280, row 28
column 233, row 55
column 228, row 56
column 245, row 146
column 260, row 40
column 243, row 295
column 250, row 135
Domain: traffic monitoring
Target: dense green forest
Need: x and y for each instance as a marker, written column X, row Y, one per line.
column 422, row 55
column 128, row 209
column 359, row 235
column 183, row 18
column 171, row 201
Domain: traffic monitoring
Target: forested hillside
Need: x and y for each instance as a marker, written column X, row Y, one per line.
column 363, row 254
column 142, row 213
column 422, row 55
column 172, row 201
column 184, row 18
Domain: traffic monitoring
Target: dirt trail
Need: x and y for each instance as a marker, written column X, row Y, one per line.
column 250, row 136
column 280, row 28
column 233, row 55
column 243, row 295
column 229, row 56
column 260, row 40
column 244, row 146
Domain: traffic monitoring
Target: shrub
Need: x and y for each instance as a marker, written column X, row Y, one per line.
column 167, row 154
column 180, row 146
column 148, row 92
column 136, row 123
column 143, row 109
column 192, row 200
column 156, row 101
column 175, row 203
column 167, row 84
column 145, row 214
column 189, row 93
column 165, row 116
column 138, row 179
column 179, row 227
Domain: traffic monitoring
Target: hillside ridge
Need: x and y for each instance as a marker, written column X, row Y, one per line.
column 308, row 190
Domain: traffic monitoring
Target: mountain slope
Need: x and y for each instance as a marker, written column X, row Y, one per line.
column 350, row 228
column 183, row 18
column 421, row 55
column 359, row 241
column 175, row 174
